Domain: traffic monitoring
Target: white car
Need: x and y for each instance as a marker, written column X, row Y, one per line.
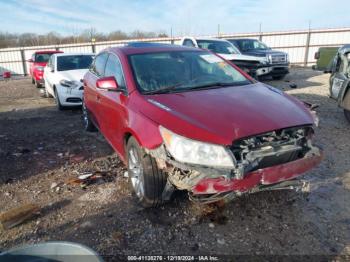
column 62, row 77
column 253, row 65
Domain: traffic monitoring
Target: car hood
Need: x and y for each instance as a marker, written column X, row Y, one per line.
column 225, row 114
column 236, row 57
column 263, row 53
column 72, row 75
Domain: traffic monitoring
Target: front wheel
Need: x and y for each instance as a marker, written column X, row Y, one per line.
column 146, row 179
column 58, row 102
column 88, row 124
column 46, row 92
column 347, row 114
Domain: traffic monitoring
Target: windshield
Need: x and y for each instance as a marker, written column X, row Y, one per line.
column 251, row 44
column 179, row 71
column 73, row 62
column 220, row 47
column 42, row 58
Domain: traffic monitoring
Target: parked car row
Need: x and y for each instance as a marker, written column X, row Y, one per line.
column 251, row 55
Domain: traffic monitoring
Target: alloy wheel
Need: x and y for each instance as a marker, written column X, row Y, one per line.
column 136, row 172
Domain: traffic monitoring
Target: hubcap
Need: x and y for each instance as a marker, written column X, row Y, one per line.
column 136, row 172
column 85, row 115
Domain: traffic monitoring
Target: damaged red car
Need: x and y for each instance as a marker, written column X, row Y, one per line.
column 183, row 118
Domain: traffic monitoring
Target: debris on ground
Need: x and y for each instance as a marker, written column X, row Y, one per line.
column 293, row 85
column 87, row 178
column 18, row 215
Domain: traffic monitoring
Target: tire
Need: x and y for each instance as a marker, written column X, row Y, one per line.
column 58, row 102
column 347, row 114
column 33, row 81
column 38, row 85
column 146, row 179
column 278, row 77
column 88, row 124
column 47, row 94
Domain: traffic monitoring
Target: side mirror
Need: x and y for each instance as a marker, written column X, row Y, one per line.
column 108, row 83
column 30, row 60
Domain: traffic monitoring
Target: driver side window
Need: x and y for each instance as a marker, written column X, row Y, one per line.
column 114, row 68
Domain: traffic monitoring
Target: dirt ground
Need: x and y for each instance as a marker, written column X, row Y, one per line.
column 41, row 149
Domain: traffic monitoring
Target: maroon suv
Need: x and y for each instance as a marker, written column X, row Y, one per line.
column 184, row 118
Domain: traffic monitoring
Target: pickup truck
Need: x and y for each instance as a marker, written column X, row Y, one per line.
column 253, row 65
column 277, row 62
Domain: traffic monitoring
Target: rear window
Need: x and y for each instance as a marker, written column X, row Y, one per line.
column 73, row 62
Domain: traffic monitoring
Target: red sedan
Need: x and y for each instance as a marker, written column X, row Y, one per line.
column 183, row 118
column 38, row 62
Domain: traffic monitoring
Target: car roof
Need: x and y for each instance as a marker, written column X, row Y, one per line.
column 70, row 54
column 241, row 39
column 139, row 48
column 47, row 52
column 344, row 49
column 210, row 39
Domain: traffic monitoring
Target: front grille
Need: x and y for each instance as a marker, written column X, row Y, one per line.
column 246, row 64
column 278, row 59
column 73, row 100
column 272, row 148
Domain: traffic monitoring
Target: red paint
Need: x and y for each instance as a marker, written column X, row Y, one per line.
column 266, row 176
column 6, row 74
column 107, row 83
column 33, row 71
column 216, row 116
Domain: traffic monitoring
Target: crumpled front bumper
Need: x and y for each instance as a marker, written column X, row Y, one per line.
column 219, row 183
column 266, row 176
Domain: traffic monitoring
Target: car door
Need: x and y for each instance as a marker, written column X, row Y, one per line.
column 49, row 71
column 113, row 104
column 339, row 79
column 92, row 94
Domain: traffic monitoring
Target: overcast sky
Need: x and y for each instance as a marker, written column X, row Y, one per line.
column 196, row 17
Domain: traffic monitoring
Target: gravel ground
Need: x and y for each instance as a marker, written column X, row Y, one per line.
column 42, row 149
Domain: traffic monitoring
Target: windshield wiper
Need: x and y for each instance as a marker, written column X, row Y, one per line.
column 163, row 90
column 215, row 84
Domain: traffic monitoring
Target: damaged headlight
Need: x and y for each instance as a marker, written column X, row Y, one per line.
column 195, row 152
column 67, row 83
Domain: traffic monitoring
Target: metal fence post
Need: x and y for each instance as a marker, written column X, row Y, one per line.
column 24, row 64
column 307, row 47
column 93, row 48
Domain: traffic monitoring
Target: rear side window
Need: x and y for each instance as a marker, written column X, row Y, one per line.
column 99, row 64
column 114, row 68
